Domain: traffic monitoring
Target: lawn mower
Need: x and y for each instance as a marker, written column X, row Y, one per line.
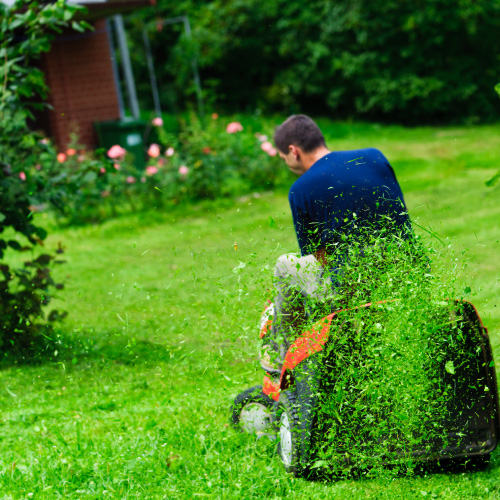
column 304, row 404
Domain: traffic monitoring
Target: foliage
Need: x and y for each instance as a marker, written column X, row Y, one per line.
column 227, row 159
column 26, row 29
column 400, row 60
column 204, row 162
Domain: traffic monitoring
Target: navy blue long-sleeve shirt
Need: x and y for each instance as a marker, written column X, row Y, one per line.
column 342, row 196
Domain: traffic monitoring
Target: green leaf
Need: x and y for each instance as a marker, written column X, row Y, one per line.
column 77, row 26
column 89, row 177
column 272, row 223
column 319, row 463
column 491, row 182
column 492, row 364
column 450, row 368
column 240, row 266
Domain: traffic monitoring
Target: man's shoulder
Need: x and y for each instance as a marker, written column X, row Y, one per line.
column 337, row 165
column 361, row 154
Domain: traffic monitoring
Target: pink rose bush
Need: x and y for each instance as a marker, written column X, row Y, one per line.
column 206, row 160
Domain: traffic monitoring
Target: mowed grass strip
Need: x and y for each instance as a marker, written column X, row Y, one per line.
column 132, row 399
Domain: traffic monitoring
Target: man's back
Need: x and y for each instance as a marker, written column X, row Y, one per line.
column 344, row 195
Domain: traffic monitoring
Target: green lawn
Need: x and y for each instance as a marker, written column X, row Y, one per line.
column 132, row 400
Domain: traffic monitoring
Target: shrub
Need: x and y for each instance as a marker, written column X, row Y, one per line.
column 206, row 161
column 25, row 32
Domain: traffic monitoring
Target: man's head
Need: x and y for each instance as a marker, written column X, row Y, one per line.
column 298, row 139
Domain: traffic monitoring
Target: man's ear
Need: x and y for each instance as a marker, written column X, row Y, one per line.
column 294, row 150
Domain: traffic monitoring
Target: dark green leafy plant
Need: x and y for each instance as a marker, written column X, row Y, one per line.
column 26, row 29
column 400, row 60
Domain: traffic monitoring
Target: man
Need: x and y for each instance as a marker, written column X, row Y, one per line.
column 340, row 199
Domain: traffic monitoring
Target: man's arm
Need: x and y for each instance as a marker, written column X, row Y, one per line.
column 305, row 231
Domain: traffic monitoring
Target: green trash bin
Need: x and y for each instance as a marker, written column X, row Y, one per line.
column 127, row 133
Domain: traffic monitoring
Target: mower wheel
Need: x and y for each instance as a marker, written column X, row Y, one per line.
column 252, row 412
column 288, row 432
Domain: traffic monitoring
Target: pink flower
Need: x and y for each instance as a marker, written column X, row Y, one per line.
column 130, row 180
column 261, row 137
column 44, row 141
column 151, row 170
column 234, row 127
column 22, row 176
column 170, row 152
column 61, row 157
column 161, row 162
column 81, row 158
column 116, row 152
column 104, row 194
column 183, row 170
column 154, row 151
column 117, row 166
column 269, row 148
column 215, row 116
column 102, row 170
column 157, row 122
column 266, row 146
column 38, row 166
column 143, row 179
column 71, row 151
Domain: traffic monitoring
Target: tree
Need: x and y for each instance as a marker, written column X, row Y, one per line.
column 396, row 60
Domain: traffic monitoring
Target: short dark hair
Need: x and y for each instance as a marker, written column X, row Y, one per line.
column 301, row 131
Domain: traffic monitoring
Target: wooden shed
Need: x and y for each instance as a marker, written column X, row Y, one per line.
column 82, row 76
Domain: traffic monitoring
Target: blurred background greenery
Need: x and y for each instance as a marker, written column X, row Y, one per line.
column 393, row 60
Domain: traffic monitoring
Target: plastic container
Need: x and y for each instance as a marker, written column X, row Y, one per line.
column 127, row 133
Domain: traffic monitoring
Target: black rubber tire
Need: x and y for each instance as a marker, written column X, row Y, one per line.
column 252, row 395
column 306, row 389
column 287, row 405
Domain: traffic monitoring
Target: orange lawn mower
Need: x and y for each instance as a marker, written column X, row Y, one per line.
column 286, row 407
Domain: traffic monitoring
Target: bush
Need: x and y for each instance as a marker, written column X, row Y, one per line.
column 25, row 32
column 206, row 161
